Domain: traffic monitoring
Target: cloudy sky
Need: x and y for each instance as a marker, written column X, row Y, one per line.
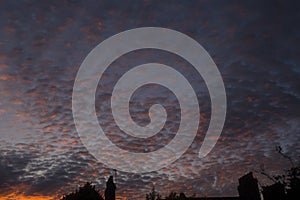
column 255, row 45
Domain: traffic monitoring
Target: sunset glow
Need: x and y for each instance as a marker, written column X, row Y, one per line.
column 22, row 197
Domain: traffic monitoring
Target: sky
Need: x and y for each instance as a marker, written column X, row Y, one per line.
column 255, row 45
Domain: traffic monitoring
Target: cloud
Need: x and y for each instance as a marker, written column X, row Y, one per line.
column 253, row 43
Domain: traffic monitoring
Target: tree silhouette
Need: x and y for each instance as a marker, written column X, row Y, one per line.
column 289, row 180
column 293, row 183
column 175, row 196
column 153, row 195
column 87, row 192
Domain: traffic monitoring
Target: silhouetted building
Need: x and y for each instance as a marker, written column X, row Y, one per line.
column 110, row 191
column 248, row 188
column 274, row 192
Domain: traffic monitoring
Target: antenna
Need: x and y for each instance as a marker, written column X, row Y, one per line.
column 115, row 175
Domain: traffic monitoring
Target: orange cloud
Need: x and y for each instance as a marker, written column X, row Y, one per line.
column 17, row 192
column 22, row 197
